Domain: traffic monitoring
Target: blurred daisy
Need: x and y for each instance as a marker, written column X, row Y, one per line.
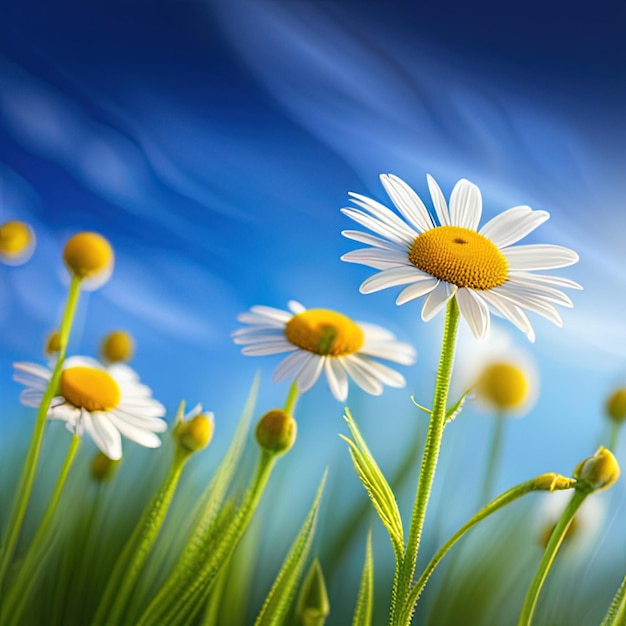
column 17, row 242
column 481, row 268
column 323, row 340
column 107, row 402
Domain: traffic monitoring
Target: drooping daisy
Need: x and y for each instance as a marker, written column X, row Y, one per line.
column 105, row 401
column 320, row 339
column 481, row 268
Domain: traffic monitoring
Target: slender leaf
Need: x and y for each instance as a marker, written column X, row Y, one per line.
column 617, row 611
column 365, row 599
column 277, row 604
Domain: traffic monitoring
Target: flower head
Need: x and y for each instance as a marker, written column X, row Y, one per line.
column 89, row 256
column 195, row 430
column 276, row 431
column 481, row 268
column 118, row 345
column 106, row 401
column 17, row 242
column 616, row 405
column 320, row 339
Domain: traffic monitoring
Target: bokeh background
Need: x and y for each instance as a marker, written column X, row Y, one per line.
column 214, row 143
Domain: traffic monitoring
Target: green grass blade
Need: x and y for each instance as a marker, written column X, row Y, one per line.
column 376, row 485
column 365, row 599
column 276, row 606
column 617, row 611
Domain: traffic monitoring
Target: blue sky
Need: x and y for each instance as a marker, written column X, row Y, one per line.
column 214, row 143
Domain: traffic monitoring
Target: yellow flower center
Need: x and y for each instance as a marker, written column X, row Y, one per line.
column 460, row 256
column 88, row 255
column 503, row 385
column 15, row 237
column 324, row 332
column 89, row 388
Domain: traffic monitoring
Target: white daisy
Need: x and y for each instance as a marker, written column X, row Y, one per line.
column 481, row 268
column 320, row 339
column 106, row 401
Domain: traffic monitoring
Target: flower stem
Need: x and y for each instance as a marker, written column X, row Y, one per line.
column 406, row 569
column 495, row 448
column 292, row 399
column 614, row 436
column 556, row 538
column 130, row 562
column 27, row 477
column 27, row 574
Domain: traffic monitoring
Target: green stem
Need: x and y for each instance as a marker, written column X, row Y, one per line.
column 132, row 559
column 495, row 449
column 292, row 399
column 17, row 597
column 556, row 538
column 27, row 478
column 496, row 504
column 615, row 426
column 406, row 570
column 171, row 604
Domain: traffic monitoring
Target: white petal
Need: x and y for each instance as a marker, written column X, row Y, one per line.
column 466, row 205
column 137, row 434
column 291, row 365
column 385, row 374
column 31, row 397
column 407, row 202
column 437, row 299
column 382, row 213
column 35, row 370
column 530, row 302
column 474, row 309
column 260, row 320
column 402, row 353
column 123, row 373
column 370, row 240
column 337, row 378
column 439, row 201
column 557, row 281
column 65, row 412
column 374, row 257
column 374, row 332
column 272, row 337
column 104, row 434
column 543, row 291
column 276, row 347
column 259, row 329
column 512, row 225
column 392, row 278
column 82, row 361
column 145, row 422
column 538, row 257
column 511, row 312
column 401, row 238
column 417, row 290
column 295, row 307
column 309, row 373
column 362, row 377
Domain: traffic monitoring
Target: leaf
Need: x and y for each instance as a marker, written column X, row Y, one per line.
column 313, row 606
column 365, row 599
column 457, row 407
column 276, row 606
column 377, row 487
column 617, row 611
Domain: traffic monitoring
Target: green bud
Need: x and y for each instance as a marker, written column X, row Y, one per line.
column 616, row 405
column 195, row 432
column 553, row 482
column 276, row 431
column 597, row 472
column 102, row 467
column 313, row 606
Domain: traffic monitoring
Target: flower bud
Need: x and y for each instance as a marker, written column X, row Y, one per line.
column 276, row 431
column 597, row 472
column 117, row 346
column 195, row 431
column 313, row 605
column 503, row 385
column 102, row 467
column 17, row 242
column 53, row 344
column 616, row 405
column 553, row 482
column 89, row 255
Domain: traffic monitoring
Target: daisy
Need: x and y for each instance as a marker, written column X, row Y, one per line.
column 452, row 258
column 320, row 339
column 106, row 401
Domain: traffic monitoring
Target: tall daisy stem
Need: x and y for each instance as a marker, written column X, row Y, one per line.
column 27, row 478
column 406, row 569
column 495, row 449
column 556, row 538
column 292, row 399
column 614, row 438
column 34, row 556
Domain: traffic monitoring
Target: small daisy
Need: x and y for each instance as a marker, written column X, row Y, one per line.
column 105, row 401
column 320, row 339
column 481, row 268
